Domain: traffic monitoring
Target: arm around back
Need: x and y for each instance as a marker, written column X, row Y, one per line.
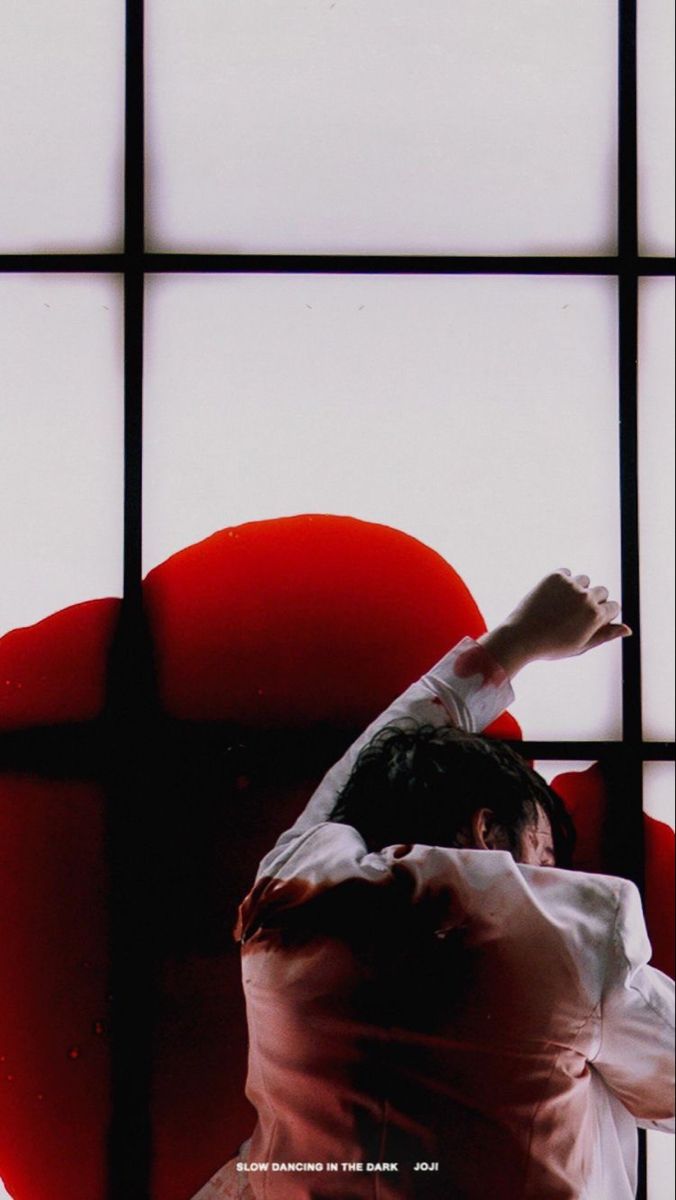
column 636, row 1054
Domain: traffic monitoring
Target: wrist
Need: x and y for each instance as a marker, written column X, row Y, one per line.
column 506, row 645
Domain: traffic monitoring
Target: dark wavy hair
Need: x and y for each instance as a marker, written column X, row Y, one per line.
column 422, row 784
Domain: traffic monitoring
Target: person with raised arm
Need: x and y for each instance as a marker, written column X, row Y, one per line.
column 431, row 1021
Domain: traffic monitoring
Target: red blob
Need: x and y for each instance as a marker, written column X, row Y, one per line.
column 55, row 671
column 277, row 624
column 585, row 795
column 280, row 624
column 302, row 620
column 53, row 1110
column 659, row 893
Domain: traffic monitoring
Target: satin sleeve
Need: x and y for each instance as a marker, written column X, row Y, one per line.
column 636, row 1051
column 466, row 689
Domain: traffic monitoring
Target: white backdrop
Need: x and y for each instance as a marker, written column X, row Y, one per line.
column 477, row 414
column 61, row 429
column 353, row 125
column 61, row 125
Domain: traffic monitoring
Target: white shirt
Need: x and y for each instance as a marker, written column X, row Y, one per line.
column 425, row 1004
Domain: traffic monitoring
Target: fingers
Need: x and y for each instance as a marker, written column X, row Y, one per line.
column 609, row 611
column 602, row 612
column 606, row 609
column 607, row 633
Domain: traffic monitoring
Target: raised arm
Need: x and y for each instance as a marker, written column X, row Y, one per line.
column 561, row 617
column 468, row 688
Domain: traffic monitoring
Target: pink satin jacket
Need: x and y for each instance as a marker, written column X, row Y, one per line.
column 438, row 1023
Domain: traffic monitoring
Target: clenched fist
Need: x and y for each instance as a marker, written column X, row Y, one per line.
column 562, row 616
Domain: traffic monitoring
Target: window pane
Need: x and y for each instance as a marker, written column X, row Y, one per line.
column 384, row 127
column 661, row 1166
column 656, row 125
column 659, row 804
column 656, row 475
column 61, row 438
column 54, row 980
column 62, row 105
column 476, row 414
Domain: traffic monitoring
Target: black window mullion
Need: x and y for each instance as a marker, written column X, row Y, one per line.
column 629, row 483
column 128, row 738
column 628, row 372
column 130, row 709
column 349, row 264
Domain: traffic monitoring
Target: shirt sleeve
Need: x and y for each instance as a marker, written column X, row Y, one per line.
column 636, row 1052
column 466, row 689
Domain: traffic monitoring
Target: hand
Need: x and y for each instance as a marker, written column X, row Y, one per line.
column 561, row 617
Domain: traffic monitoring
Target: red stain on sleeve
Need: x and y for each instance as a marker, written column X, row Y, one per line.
column 477, row 661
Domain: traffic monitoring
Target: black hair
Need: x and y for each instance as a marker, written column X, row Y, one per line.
column 423, row 784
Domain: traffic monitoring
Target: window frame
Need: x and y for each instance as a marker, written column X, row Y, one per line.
column 130, row 720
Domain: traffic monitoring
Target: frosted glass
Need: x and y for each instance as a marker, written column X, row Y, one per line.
column 656, row 476
column 661, row 1166
column 61, row 466
column 61, row 125
column 477, row 414
column 382, row 125
column 656, row 125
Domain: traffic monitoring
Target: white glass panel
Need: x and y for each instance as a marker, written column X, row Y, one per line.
column 60, row 443
column 658, row 802
column 661, row 1166
column 477, row 414
column 61, row 124
column 656, row 474
column 382, row 125
column 656, row 125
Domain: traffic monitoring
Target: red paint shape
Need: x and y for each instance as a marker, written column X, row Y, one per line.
column 55, row 671
column 302, row 620
column 659, row 892
column 506, row 727
column 585, row 796
column 289, row 622
column 280, row 624
column 54, row 1115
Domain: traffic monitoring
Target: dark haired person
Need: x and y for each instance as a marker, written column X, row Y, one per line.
column 427, row 1021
